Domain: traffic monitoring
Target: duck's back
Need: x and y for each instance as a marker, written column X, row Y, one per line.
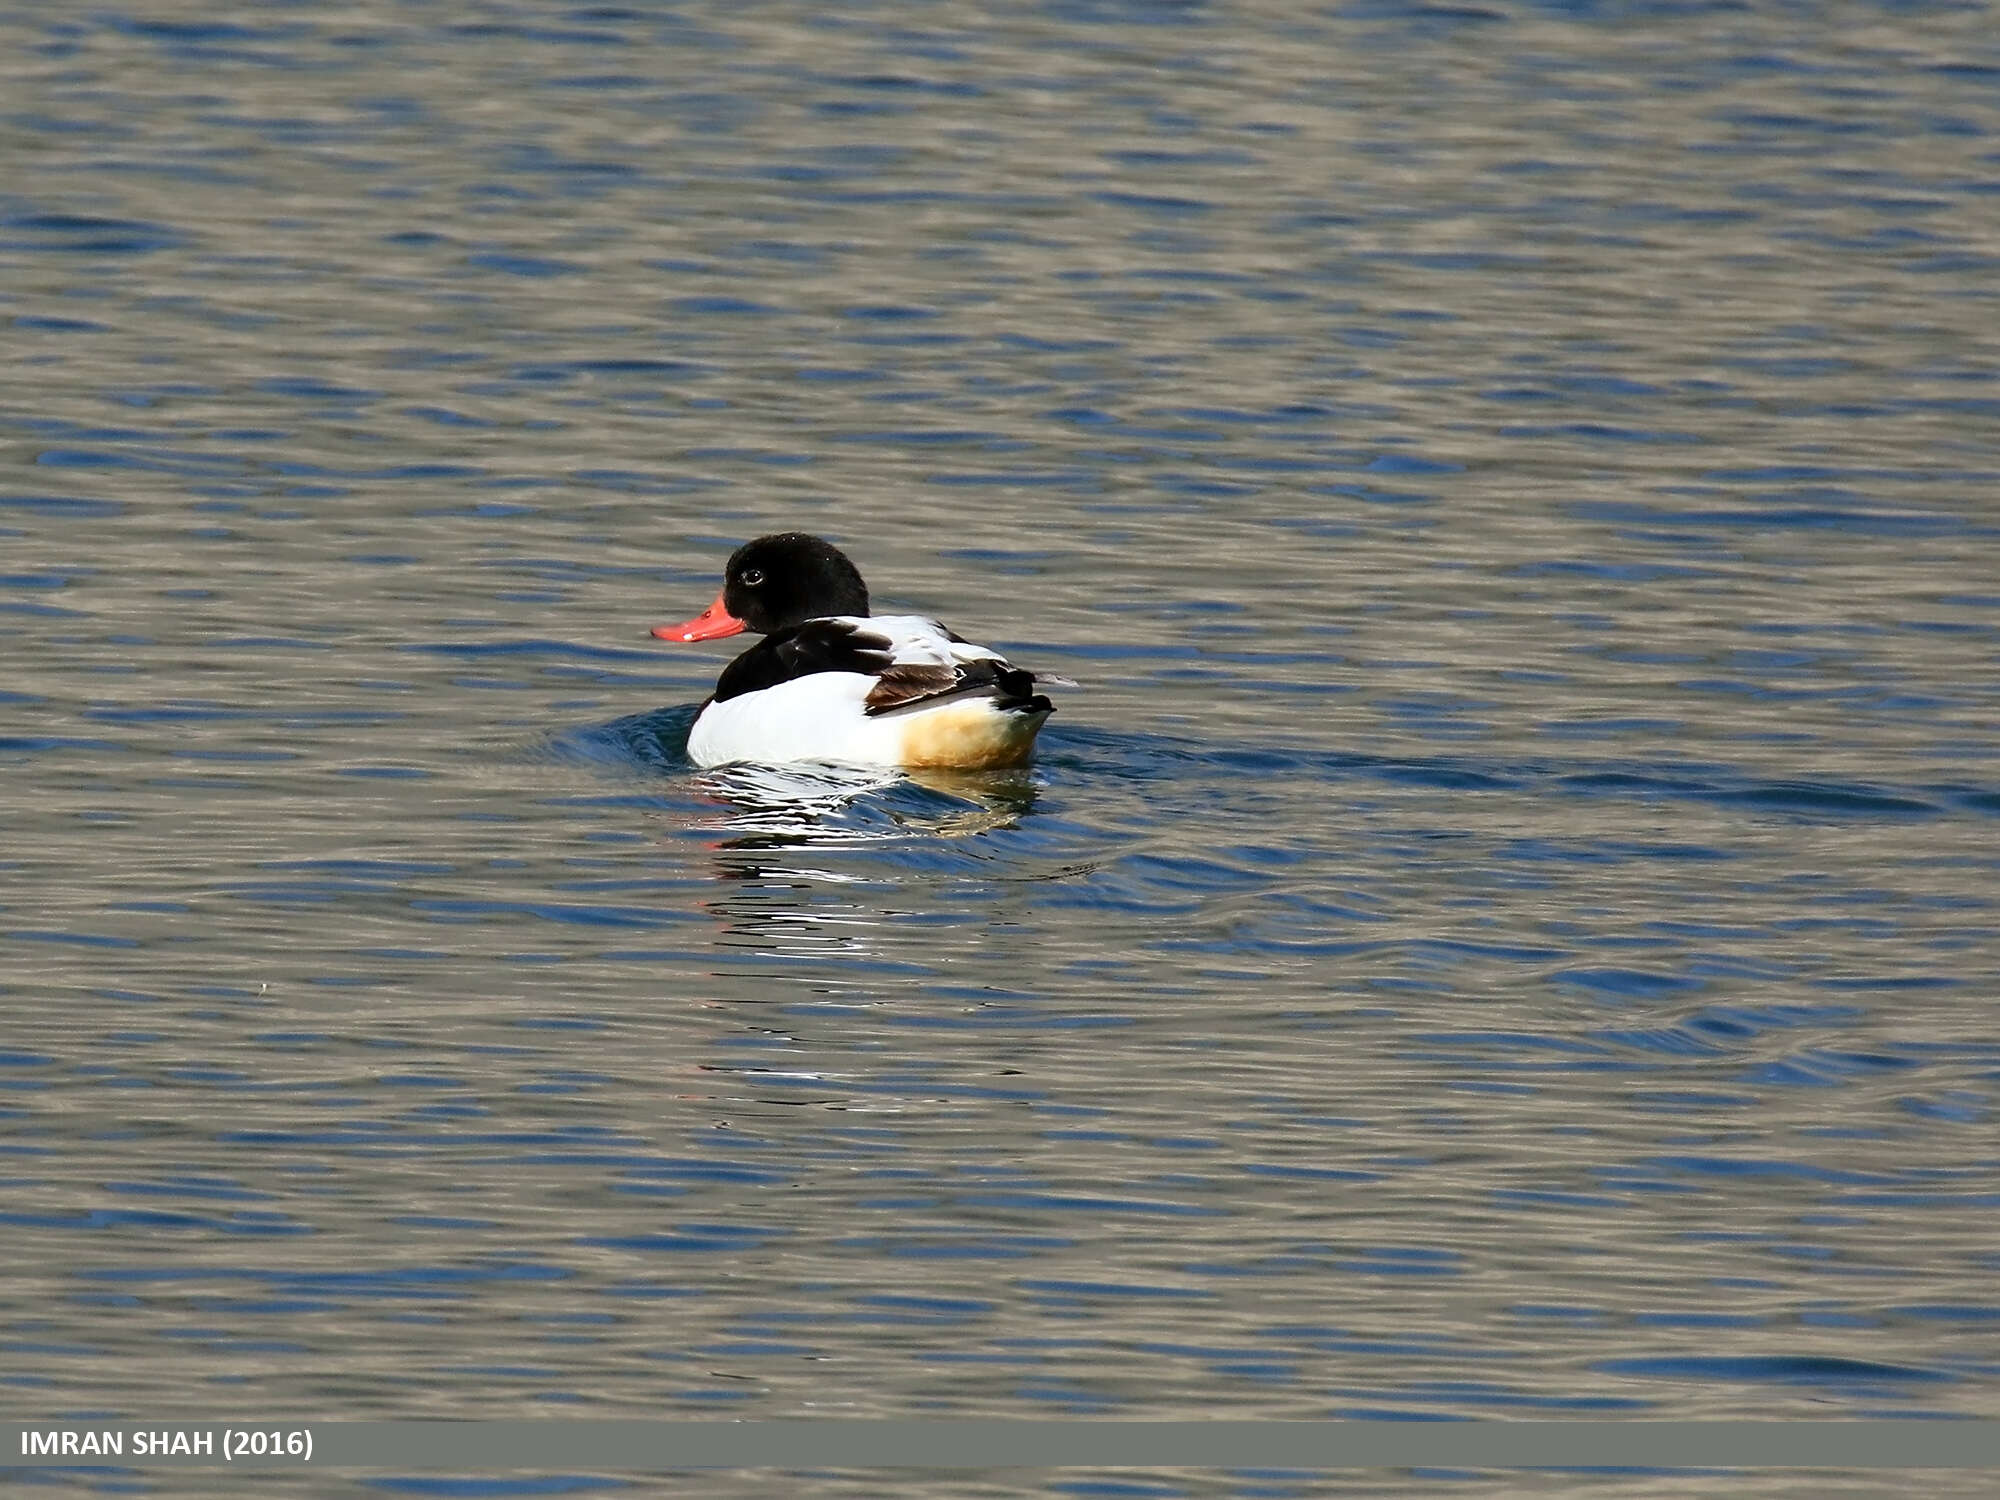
column 880, row 690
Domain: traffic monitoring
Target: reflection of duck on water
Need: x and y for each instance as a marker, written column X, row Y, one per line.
column 778, row 807
column 783, row 891
column 831, row 682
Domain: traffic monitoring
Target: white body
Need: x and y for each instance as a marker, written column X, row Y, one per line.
column 821, row 717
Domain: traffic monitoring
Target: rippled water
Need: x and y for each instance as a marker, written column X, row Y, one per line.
column 1505, row 927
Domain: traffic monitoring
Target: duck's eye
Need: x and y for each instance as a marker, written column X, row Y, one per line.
column 751, row 577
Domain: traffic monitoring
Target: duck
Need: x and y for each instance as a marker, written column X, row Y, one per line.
column 832, row 682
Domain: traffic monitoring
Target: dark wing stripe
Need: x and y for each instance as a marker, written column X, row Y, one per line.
column 816, row 646
column 1009, row 686
column 911, row 684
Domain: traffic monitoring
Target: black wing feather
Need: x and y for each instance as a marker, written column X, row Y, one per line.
column 1009, row 686
column 837, row 646
column 907, row 684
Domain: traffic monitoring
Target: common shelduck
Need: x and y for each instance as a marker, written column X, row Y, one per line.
column 831, row 682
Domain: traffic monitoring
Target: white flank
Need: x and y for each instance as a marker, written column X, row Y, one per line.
column 822, row 717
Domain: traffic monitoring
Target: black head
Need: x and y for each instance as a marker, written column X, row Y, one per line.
column 779, row 581
column 774, row 583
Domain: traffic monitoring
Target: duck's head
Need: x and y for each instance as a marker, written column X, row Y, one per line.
column 774, row 583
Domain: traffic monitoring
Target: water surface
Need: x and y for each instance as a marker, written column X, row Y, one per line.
column 1505, row 927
